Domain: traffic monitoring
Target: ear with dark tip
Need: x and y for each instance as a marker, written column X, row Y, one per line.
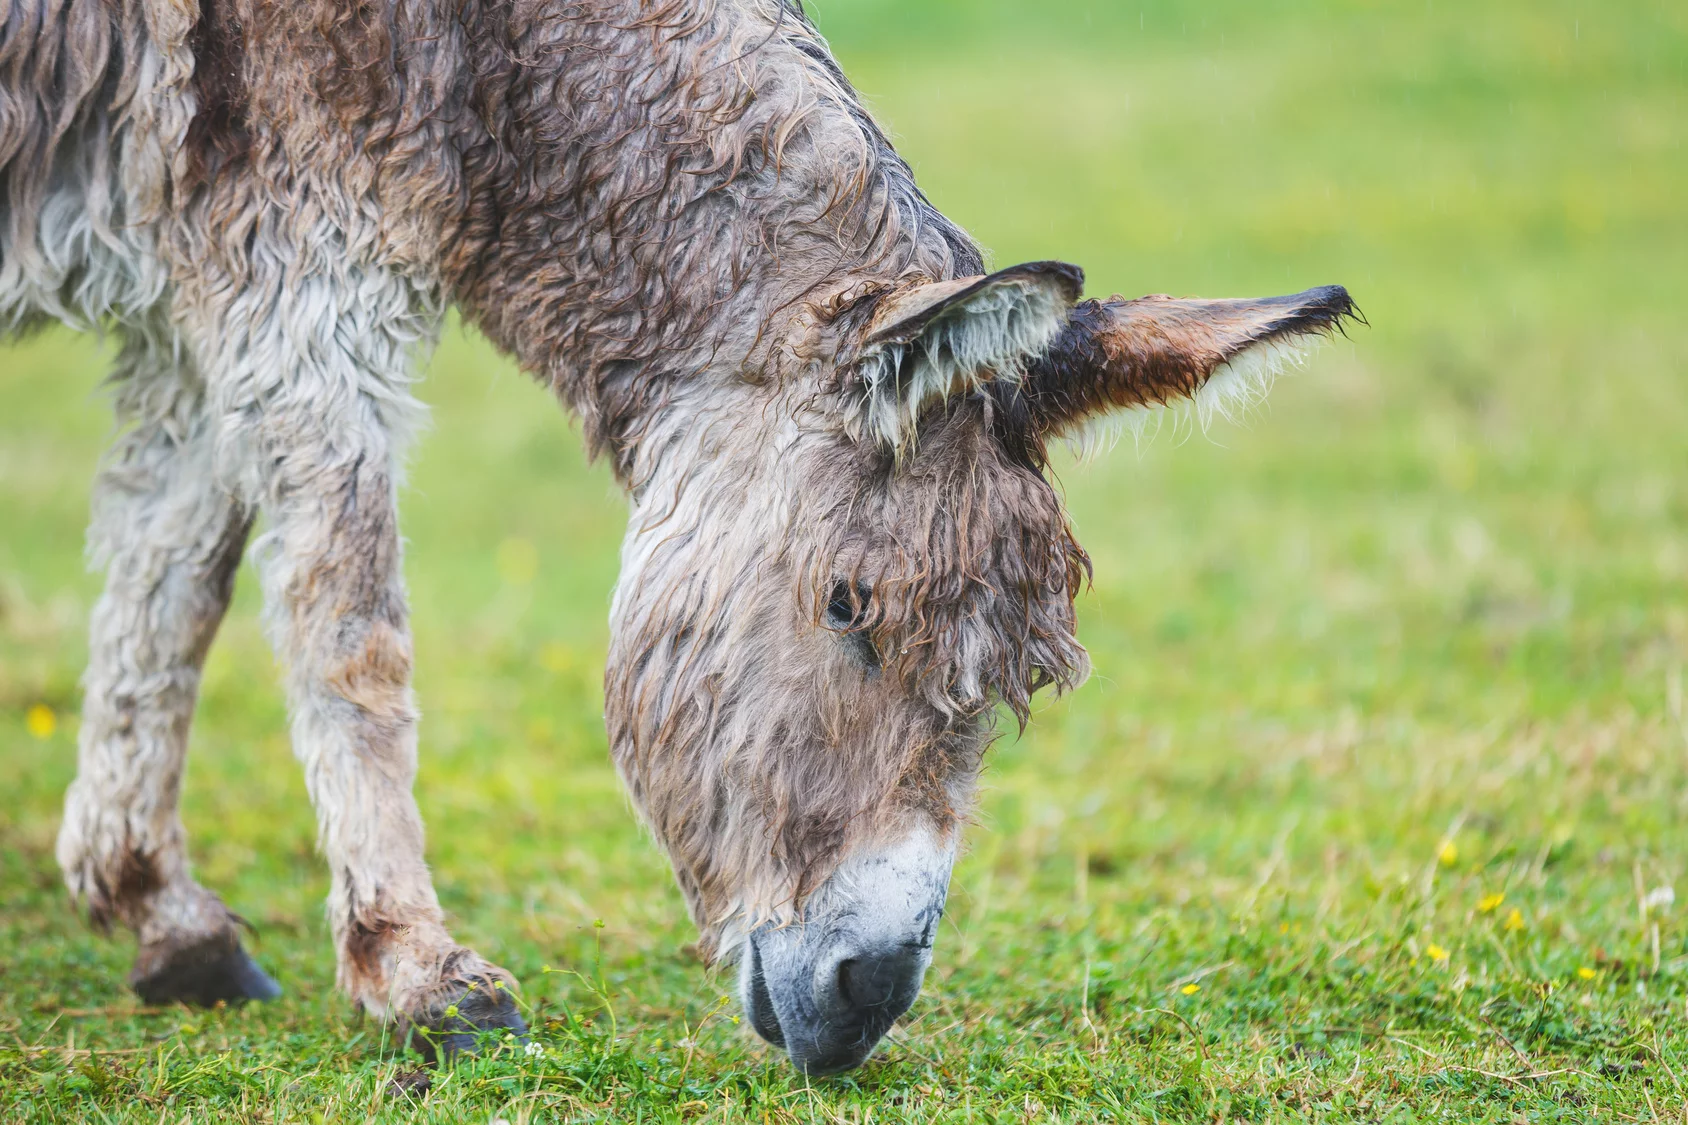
column 928, row 342
column 1120, row 355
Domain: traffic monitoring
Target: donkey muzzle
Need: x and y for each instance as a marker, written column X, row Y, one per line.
column 828, row 988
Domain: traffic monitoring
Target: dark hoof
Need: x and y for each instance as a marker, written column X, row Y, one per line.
column 466, row 1017
column 201, row 973
column 409, row 1084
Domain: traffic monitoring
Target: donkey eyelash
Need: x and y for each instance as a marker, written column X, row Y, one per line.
column 846, row 615
column 846, row 609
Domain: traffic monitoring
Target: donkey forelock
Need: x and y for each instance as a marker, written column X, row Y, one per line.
column 809, row 636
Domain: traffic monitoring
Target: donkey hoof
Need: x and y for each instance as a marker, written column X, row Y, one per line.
column 201, row 972
column 465, row 1017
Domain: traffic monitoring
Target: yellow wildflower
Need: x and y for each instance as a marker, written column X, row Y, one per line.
column 1585, row 973
column 1436, row 952
column 1488, row 903
column 1190, row 989
column 41, row 721
column 1514, row 921
column 1449, row 855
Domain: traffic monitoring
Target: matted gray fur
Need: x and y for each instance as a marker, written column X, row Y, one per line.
column 843, row 555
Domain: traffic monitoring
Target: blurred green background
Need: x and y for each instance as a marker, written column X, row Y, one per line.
column 1408, row 639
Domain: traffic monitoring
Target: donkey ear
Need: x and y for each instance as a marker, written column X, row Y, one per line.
column 1120, row 355
column 932, row 341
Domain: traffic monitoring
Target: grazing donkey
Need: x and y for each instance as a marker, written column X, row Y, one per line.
column 843, row 550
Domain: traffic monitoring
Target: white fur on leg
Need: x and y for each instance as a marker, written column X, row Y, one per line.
column 170, row 540
column 309, row 369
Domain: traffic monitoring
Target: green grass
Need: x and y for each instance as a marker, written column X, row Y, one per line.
column 1410, row 639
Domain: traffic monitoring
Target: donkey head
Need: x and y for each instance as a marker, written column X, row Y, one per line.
column 832, row 583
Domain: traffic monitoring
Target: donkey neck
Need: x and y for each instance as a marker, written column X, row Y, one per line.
column 657, row 198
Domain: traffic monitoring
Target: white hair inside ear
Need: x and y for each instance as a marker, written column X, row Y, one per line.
column 1235, row 388
column 952, row 338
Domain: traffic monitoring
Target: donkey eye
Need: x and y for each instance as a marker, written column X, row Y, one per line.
column 846, row 610
column 846, row 615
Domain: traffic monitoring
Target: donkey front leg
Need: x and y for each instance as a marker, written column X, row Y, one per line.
column 171, row 540
column 337, row 608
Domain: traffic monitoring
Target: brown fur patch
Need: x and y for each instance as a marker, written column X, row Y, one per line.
column 133, row 878
column 366, row 943
column 218, row 134
column 1119, row 354
column 376, row 677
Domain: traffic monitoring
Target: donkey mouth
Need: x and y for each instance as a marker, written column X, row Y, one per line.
column 827, row 1007
column 758, row 1004
column 828, row 987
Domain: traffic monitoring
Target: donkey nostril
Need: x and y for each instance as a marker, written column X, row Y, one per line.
column 844, row 968
column 879, row 983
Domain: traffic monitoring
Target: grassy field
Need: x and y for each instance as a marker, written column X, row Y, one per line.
column 1374, row 806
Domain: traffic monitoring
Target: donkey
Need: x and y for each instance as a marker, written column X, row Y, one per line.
column 844, row 557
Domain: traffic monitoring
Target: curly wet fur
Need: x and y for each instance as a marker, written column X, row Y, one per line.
column 274, row 204
column 678, row 216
